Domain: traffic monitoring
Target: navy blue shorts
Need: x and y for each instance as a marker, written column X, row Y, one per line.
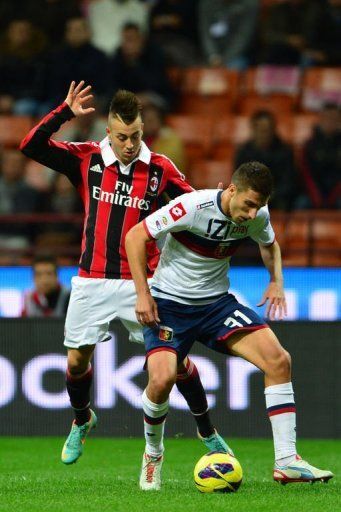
column 181, row 325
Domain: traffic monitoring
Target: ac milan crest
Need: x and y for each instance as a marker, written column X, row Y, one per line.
column 154, row 183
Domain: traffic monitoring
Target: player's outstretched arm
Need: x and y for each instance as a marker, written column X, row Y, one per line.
column 135, row 244
column 274, row 294
column 77, row 96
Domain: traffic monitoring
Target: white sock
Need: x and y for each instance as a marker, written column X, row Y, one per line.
column 154, row 424
column 281, row 409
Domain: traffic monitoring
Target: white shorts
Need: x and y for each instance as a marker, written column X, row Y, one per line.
column 93, row 304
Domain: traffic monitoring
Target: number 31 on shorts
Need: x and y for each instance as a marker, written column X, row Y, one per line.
column 232, row 322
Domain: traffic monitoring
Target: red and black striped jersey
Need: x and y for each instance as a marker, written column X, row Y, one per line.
column 115, row 198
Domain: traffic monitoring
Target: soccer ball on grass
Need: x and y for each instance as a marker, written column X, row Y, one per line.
column 218, row 472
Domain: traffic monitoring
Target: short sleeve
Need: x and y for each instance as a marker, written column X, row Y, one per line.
column 262, row 231
column 178, row 215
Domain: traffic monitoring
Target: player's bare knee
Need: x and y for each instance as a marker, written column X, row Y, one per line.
column 162, row 383
column 279, row 366
column 77, row 362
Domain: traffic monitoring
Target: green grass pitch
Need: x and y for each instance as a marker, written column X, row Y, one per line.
column 105, row 478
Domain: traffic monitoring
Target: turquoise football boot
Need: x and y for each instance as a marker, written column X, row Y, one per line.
column 215, row 443
column 73, row 446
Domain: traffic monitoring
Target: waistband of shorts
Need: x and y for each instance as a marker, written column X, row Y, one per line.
column 94, row 274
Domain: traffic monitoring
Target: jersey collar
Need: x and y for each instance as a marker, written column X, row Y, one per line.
column 219, row 202
column 109, row 157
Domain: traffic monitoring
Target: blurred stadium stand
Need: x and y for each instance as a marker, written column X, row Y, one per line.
column 212, row 119
column 306, row 237
column 221, row 101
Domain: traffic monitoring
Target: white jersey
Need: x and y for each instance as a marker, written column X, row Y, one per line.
column 195, row 259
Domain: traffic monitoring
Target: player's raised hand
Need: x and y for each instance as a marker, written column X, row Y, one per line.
column 77, row 96
column 276, row 303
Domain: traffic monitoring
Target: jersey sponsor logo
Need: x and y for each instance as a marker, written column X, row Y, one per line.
column 96, row 168
column 222, row 251
column 120, row 199
column 239, row 230
column 177, row 211
column 153, row 184
column 165, row 333
column 205, row 205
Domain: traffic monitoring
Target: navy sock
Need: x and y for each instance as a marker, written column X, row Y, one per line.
column 190, row 386
column 78, row 388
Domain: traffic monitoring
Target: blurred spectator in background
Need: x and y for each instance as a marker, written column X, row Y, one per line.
column 327, row 38
column 161, row 138
column 173, row 26
column 227, row 30
column 299, row 32
column 49, row 297
column 16, row 196
column 84, row 128
column 321, row 167
column 62, row 198
column 21, row 69
column 140, row 67
column 108, row 17
column 77, row 59
column 266, row 146
column 51, row 16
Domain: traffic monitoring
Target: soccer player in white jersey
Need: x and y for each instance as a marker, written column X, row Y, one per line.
column 189, row 301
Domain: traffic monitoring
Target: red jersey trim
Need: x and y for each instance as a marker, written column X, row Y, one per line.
column 254, row 328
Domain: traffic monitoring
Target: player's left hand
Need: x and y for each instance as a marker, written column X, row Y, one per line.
column 146, row 310
column 276, row 304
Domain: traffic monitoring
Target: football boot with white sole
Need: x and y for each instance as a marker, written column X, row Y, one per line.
column 300, row 471
column 150, row 478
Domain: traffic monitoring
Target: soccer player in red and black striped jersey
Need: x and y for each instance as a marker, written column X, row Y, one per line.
column 120, row 182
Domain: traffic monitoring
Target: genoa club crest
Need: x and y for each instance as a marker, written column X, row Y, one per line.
column 165, row 333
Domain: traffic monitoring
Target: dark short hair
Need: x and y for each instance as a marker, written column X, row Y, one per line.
column 330, row 105
column 126, row 106
column 255, row 176
column 45, row 258
column 263, row 114
column 131, row 26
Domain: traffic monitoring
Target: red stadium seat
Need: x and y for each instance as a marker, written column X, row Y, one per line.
column 326, row 238
column 196, row 133
column 319, row 86
column 13, row 129
column 208, row 173
column 273, row 88
column 292, row 233
column 228, row 132
column 208, row 91
column 296, row 129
